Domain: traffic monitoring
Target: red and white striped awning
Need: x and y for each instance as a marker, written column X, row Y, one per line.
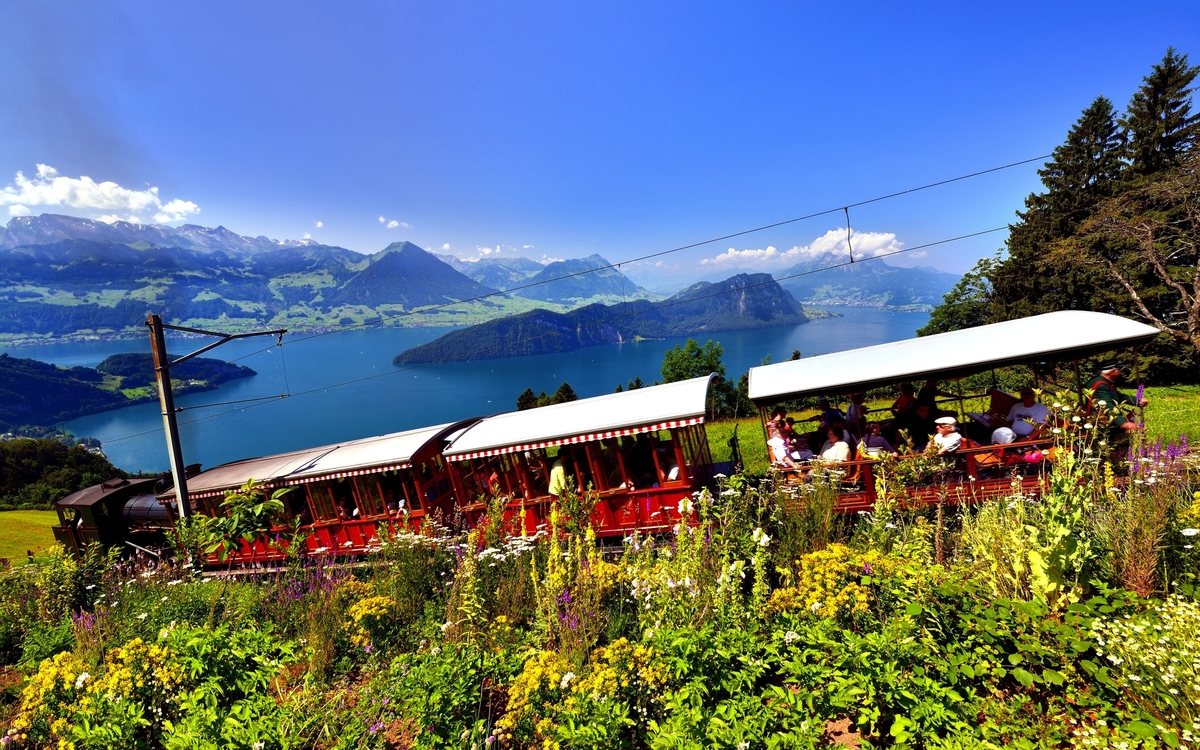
column 354, row 458
column 589, row 437
column 658, row 407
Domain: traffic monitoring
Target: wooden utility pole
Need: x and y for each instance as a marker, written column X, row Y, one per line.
column 166, row 398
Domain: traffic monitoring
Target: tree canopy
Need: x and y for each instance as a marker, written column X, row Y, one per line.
column 1112, row 231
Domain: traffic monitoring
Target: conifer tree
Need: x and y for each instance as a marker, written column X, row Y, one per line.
column 1083, row 171
column 527, row 400
column 564, row 394
column 1160, row 124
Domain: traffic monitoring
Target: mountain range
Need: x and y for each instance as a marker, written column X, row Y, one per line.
column 873, row 283
column 741, row 302
column 62, row 276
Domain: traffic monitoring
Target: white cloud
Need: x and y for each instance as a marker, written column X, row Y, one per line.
column 320, row 224
column 527, row 247
column 446, row 246
column 110, row 218
column 49, row 188
column 382, row 220
column 832, row 243
column 307, row 236
column 393, row 224
column 546, row 260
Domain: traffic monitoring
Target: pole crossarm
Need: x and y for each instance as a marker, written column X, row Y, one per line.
column 225, row 337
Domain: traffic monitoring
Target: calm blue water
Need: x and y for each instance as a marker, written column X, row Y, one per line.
column 400, row 399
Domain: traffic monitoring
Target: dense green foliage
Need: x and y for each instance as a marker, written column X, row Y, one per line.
column 1115, row 230
column 38, row 394
column 762, row 621
column 741, row 302
column 35, row 473
column 529, row 400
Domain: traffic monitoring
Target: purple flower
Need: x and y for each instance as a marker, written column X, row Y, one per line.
column 867, row 569
column 1141, row 392
column 368, row 648
column 375, row 727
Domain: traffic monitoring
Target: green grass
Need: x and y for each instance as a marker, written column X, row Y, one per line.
column 22, row 530
column 750, row 438
column 1173, row 411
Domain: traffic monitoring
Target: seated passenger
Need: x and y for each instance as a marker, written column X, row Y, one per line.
column 905, row 402
column 828, row 413
column 1028, row 417
column 948, row 439
column 839, row 424
column 835, row 447
column 558, row 474
column 874, row 443
column 918, row 424
column 800, row 450
column 779, row 451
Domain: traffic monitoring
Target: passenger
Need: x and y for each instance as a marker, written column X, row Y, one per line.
column 1103, row 387
column 779, row 452
column 856, row 415
column 558, row 474
column 929, row 394
column 905, row 402
column 919, row 424
column 800, row 450
column 874, row 443
column 839, row 424
column 948, row 439
column 828, row 413
column 835, row 447
column 1028, row 417
column 491, row 479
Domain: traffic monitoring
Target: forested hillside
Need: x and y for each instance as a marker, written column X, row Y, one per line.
column 1116, row 228
column 742, row 302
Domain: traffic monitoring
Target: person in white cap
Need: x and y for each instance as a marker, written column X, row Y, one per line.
column 947, row 438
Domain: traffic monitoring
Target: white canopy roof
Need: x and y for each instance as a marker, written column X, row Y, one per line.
column 363, row 456
column 642, row 410
column 1065, row 335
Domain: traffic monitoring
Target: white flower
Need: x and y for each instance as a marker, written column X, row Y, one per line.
column 142, row 616
column 82, row 678
column 1190, row 532
column 163, row 599
column 815, row 606
column 1076, row 419
column 791, row 637
column 446, row 626
column 258, row 746
column 90, row 587
column 685, row 507
column 566, row 680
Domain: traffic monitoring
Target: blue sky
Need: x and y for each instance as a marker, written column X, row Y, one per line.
column 563, row 129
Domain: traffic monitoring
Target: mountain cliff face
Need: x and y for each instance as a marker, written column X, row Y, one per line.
column 743, row 302
column 497, row 273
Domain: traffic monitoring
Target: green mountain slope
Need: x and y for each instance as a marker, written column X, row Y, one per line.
column 742, row 302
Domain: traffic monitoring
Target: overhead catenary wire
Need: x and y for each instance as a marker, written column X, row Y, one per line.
column 263, row 401
column 658, row 254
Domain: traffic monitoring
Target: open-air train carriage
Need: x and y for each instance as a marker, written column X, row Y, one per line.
column 343, row 492
column 1053, row 337
column 641, row 451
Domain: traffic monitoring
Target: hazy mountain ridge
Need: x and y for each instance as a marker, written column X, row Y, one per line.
column 742, row 302
column 871, row 283
column 63, row 275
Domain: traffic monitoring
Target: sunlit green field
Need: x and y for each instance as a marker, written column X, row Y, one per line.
column 22, row 530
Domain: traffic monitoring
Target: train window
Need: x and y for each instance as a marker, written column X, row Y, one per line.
column 320, row 497
column 370, row 499
column 343, row 499
column 295, row 507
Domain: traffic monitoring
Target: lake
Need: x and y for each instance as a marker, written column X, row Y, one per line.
column 401, row 398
